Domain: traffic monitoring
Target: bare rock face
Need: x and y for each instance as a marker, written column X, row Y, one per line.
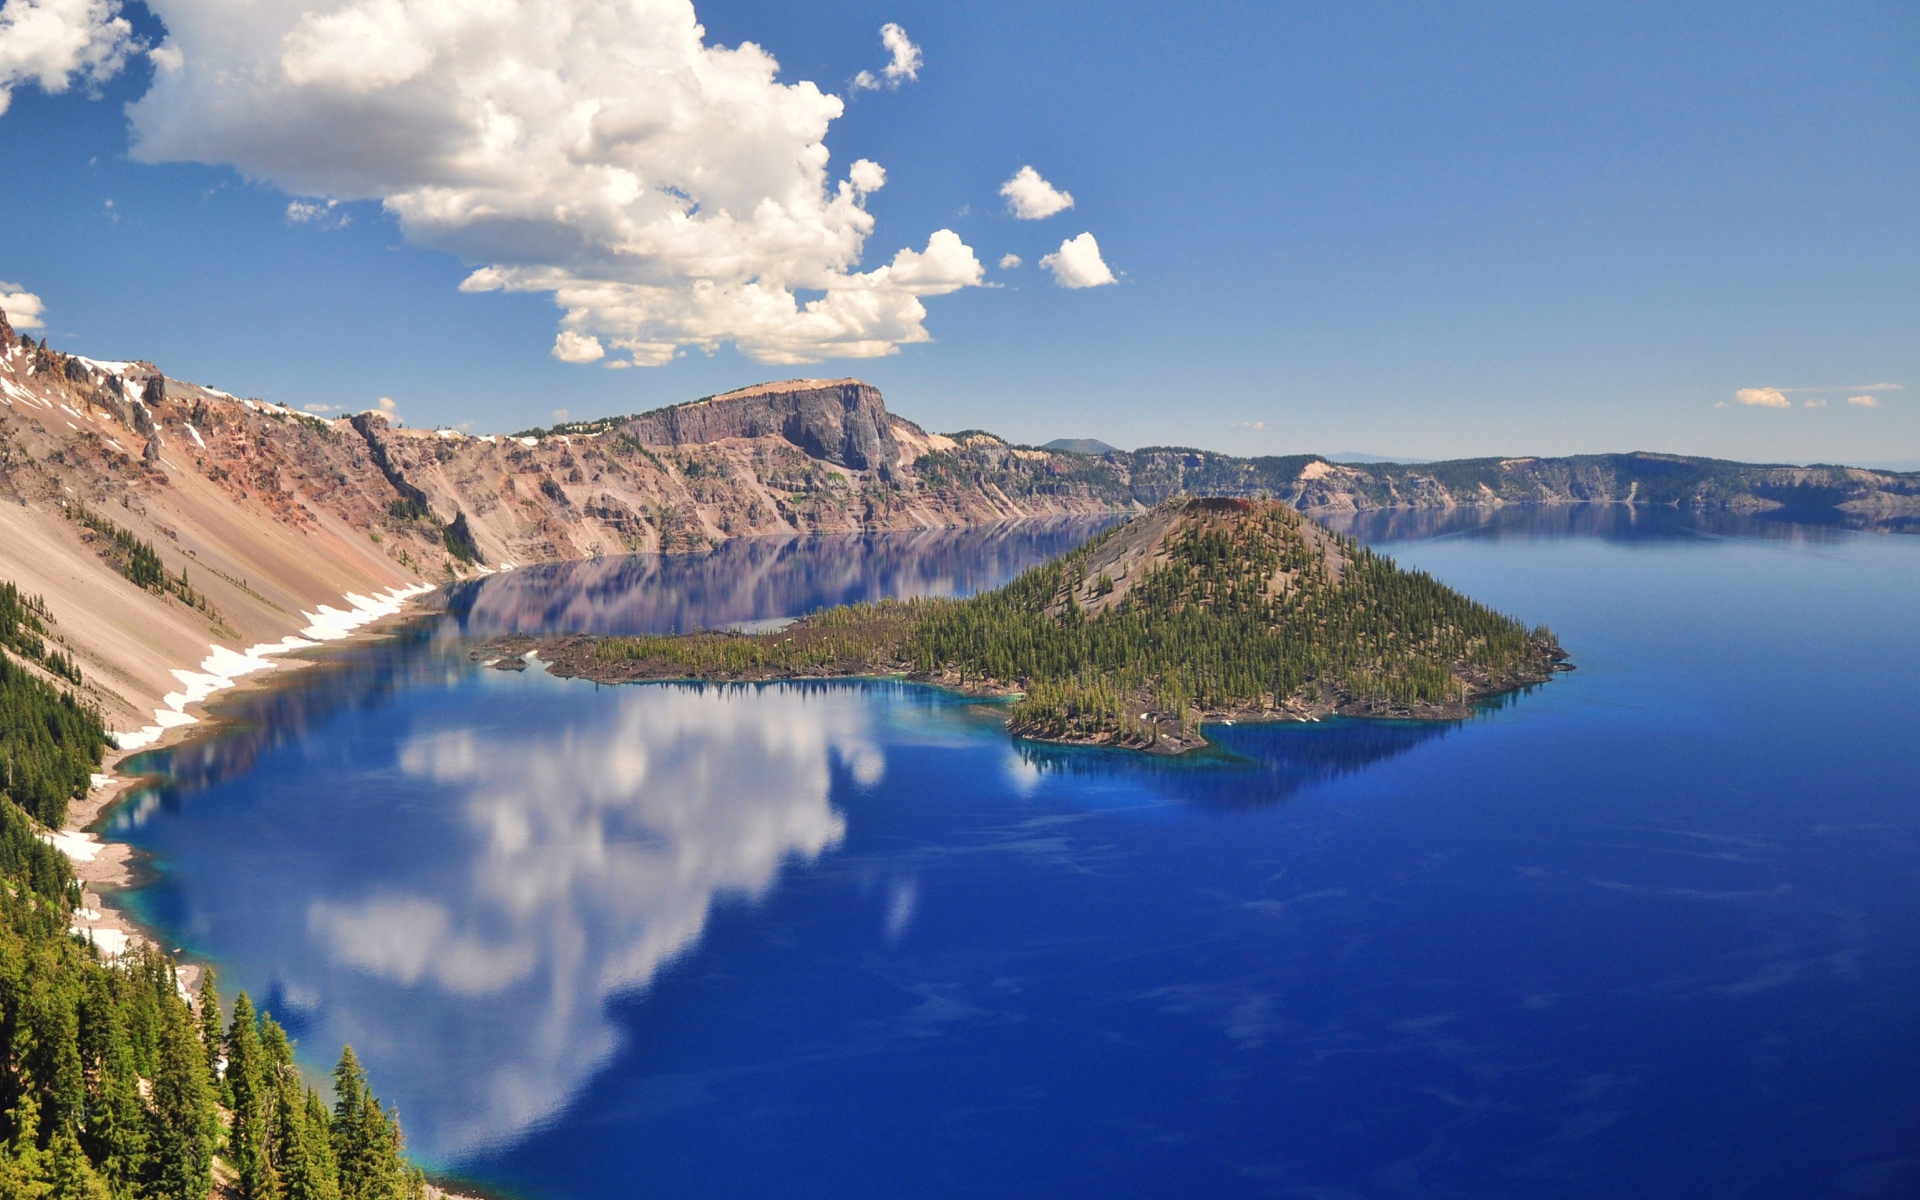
column 842, row 421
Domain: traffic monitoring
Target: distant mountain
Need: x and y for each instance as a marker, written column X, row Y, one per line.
column 1363, row 458
column 1079, row 446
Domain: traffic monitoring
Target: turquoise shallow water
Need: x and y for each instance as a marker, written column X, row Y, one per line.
column 1648, row 930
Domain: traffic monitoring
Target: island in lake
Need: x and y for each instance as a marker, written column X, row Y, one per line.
column 1196, row 610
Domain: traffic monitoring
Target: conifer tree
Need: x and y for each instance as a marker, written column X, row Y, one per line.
column 320, row 1151
column 210, row 1028
column 249, row 1081
column 72, row 1177
column 181, row 1121
column 366, row 1140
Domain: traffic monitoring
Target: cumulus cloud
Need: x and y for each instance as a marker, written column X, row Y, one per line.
column 905, row 65
column 54, row 42
column 1762, row 398
column 666, row 192
column 23, row 308
column 1009, row 261
column 1864, row 401
column 571, row 347
column 1031, row 198
column 1077, row 263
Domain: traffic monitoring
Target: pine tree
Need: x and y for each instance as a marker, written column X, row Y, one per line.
column 301, row 1155
column 181, row 1122
column 366, row 1140
column 250, row 1082
column 325, row 1170
column 72, row 1176
column 210, row 1028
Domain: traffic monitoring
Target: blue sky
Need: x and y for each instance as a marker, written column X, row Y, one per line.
column 1423, row 230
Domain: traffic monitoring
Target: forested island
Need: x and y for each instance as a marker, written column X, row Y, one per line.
column 1197, row 610
column 113, row 1086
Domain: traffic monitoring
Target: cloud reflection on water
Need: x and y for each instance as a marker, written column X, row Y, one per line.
column 593, row 858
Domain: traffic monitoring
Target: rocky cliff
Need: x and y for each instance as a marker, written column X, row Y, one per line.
column 840, row 421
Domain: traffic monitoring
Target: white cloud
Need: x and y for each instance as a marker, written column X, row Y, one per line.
column 666, row 192
column 1864, row 401
column 866, row 176
column 54, row 42
column 1009, row 261
column 325, row 216
column 1077, row 263
column 571, row 347
column 23, row 308
column 1762, row 398
column 1031, row 198
column 905, row 65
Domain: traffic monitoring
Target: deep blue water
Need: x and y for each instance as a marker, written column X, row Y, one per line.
column 1652, row 929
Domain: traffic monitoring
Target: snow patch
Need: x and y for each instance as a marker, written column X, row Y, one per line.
column 78, row 847
column 222, row 666
column 112, row 943
column 330, row 623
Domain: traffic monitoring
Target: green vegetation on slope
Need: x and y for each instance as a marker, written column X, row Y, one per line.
column 139, row 561
column 23, row 630
column 1208, row 633
column 50, row 744
column 1249, row 609
column 109, row 1083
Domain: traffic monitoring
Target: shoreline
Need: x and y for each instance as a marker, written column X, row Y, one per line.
column 1170, row 739
column 103, row 867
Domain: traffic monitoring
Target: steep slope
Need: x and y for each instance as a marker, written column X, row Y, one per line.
column 185, row 535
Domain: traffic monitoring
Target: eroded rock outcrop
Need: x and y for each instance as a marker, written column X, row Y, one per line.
column 842, row 421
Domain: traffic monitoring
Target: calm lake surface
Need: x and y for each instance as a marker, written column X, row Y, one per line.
column 1652, row 929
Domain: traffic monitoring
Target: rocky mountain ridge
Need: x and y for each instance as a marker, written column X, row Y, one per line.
column 261, row 523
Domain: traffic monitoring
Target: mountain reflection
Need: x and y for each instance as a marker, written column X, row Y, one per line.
column 1249, row 766
column 750, row 579
column 592, row 855
column 1624, row 523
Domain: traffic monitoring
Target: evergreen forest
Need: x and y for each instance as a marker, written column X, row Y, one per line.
column 1248, row 608
column 112, row 1085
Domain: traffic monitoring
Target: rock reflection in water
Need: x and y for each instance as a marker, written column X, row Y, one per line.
column 1248, row 766
column 1640, row 526
column 751, row 579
